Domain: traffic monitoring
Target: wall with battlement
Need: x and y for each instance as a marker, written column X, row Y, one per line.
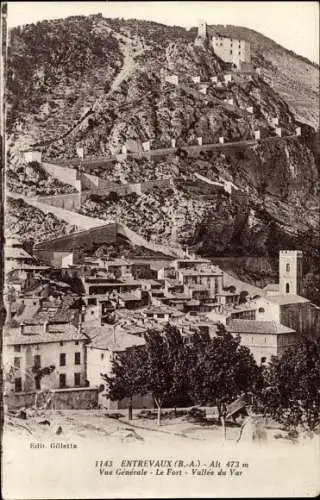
column 77, row 242
column 92, row 238
column 64, row 174
column 66, row 201
column 106, row 188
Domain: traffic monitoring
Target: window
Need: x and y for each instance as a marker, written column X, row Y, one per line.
column 16, row 362
column 263, row 359
column 102, row 355
column 287, row 288
column 77, row 358
column 38, row 383
column 62, row 380
column 77, row 377
column 265, row 340
column 17, row 348
column 76, row 342
column 18, row 384
column 288, row 268
column 61, row 344
column 62, row 359
column 37, row 361
column 261, row 309
column 231, row 51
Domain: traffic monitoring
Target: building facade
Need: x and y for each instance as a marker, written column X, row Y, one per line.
column 28, row 348
column 290, row 272
column 264, row 338
column 232, row 50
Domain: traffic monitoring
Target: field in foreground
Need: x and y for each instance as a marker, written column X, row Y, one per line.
column 274, row 468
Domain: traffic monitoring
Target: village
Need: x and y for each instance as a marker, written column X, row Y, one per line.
column 76, row 303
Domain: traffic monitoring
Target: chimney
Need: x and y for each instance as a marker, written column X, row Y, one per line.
column 21, row 328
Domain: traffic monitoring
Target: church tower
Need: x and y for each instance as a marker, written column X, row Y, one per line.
column 290, row 272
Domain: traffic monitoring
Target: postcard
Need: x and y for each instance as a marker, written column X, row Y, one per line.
column 161, row 281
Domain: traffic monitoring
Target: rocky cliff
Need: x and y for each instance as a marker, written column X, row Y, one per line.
column 100, row 82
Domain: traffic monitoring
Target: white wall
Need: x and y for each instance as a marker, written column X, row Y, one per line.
column 98, row 361
column 261, row 345
column 268, row 310
column 50, row 355
column 292, row 274
column 30, row 156
column 64, row 174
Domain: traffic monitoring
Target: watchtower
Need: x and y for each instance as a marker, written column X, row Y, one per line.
column 290, row 272
column 202, row 29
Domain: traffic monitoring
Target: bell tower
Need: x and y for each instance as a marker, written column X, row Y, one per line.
column 290, row 272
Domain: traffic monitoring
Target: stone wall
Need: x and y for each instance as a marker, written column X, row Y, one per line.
column 67, row 201
column 101, row 187
column 76, row 242
column 302, row 317
column 64, row 174
column 82, row 398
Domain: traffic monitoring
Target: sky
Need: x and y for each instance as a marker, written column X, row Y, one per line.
column 295, row 25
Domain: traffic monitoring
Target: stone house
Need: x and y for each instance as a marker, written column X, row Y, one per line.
column 40, row 346
column 106, row 342
column 232, row 50
column 263, row 338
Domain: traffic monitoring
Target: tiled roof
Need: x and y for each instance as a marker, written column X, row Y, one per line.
column 171, row 282
column 240, row 286
column 201, row 272
column 272, row 287
column 193, row 261
column 65, row 333
column 178, row 296
column 288, row 299
column 37, row 267
column 117, row 262
column 159, row 310
column 104, row 337
column 198, row 287
column 252, row 326
column 127, row 297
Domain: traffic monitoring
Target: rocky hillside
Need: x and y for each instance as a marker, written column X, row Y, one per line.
column 99, row 82
column 27, row 223
column 292, row 76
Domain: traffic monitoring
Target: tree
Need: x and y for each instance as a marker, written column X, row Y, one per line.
column 179, row 363
column 159, row 367
column 128, row 375
column 243, row 297
column 164, row 362
column 291, row 394
column 222, row 371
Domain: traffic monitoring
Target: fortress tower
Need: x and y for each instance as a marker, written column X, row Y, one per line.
column 290, row 272
column 202, row 30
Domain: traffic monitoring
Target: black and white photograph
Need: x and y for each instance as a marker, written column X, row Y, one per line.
column 160, row 314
